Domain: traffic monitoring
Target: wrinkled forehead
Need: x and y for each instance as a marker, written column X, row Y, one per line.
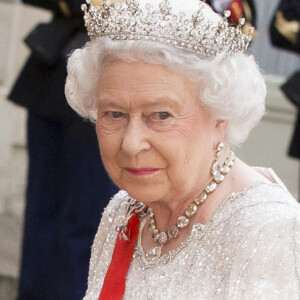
column 141, row 80
column 137, row 72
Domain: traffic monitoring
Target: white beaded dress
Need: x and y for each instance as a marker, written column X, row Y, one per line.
column 250, row 249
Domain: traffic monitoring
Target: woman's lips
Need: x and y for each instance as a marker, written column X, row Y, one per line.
column 141, row 171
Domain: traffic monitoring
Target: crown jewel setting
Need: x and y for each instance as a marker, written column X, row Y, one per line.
column 127, row 21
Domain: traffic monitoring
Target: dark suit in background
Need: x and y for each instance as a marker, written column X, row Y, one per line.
column 67, row 186
column 285, row 35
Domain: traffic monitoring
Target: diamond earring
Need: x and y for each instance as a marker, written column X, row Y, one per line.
column 216, row 168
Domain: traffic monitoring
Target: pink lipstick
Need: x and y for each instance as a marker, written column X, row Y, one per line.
column 141, row 171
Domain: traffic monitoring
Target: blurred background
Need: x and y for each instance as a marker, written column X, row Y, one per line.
column 266, row 146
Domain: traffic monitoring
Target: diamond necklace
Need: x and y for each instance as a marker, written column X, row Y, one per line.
column 218, row 172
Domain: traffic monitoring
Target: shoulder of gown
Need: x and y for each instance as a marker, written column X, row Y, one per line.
column 265, row 224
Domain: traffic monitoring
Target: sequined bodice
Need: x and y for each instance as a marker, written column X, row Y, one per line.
column 249, row 250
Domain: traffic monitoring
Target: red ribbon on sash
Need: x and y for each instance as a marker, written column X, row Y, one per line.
column 115, row 278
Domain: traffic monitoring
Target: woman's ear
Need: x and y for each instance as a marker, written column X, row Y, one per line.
column 221, row 127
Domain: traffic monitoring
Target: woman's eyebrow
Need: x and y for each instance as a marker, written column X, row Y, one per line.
column 163, row 101
column 109, row 102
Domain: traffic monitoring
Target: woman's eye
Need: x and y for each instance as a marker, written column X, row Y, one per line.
column 114, row 114
column 117, row 114
column 161, row 118
column 114, row 118
column 163, row 115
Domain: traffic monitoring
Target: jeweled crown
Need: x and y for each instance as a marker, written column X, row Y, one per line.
column 128, row 21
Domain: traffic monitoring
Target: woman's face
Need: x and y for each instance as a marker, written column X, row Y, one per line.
column 156, row 141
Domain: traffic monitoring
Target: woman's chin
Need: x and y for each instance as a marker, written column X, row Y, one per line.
column 145, row 193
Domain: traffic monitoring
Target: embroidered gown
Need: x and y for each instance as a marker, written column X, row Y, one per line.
column 250, row 249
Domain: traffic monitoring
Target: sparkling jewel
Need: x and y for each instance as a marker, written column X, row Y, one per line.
column 225, row 170
column 231, row 156
column 162, row 238
column 191, row 210
column 219, row 149
column 242, row 21
column 219, row 178
column 215, row 170
column 182, row 222
column 133, row 208
column 173, row 232
column 155, row 234
column 211, row 187
column 201, row 199
column 153, row 253
column 227, row 13
column 229, row 163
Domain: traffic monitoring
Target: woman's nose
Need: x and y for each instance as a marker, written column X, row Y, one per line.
column 136, row 137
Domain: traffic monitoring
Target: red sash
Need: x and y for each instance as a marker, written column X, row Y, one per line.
column 114, row 281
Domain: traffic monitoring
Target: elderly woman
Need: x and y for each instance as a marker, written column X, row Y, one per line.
column 171, row 90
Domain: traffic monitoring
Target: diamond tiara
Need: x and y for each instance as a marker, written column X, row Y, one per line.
column 128, row 21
